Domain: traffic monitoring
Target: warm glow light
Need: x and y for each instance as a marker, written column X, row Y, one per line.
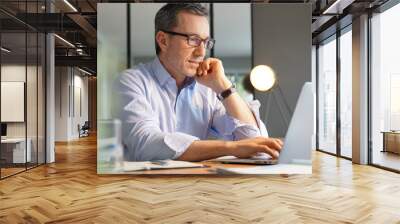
column 262, row 78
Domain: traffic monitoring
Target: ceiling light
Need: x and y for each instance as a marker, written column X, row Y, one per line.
column 65, row 41
column 331, row 7
column 337, row 7
column 84, row 71
column 5, row 50
column 70, row 5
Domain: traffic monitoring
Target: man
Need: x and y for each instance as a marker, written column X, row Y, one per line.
column 170, row 105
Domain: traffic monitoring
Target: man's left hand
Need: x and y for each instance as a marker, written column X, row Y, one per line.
column 211, row 74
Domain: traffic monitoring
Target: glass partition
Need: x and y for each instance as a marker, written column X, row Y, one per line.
column 385, row 88
column 14, row 153
column 31, row 97
column 327, row 95
column 22, row 89
column 41, row 96
column 346, row 93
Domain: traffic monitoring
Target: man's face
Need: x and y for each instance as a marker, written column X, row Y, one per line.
column 181, row 58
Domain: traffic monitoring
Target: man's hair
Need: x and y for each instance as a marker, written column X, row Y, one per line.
column 167, row 17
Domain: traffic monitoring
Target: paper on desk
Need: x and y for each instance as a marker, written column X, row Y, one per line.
column 165, row 164
column 258, row 156
column 269, row 169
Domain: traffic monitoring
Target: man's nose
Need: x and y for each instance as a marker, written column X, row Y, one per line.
column 200, row 50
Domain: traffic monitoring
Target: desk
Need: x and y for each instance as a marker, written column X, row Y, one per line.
column 15, row 148
column 214, row 167
column 391, row 141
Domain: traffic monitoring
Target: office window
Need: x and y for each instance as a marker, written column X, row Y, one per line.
column 327, row 95
column 385, row 87
column 22, row 92
column 14, row 151
column 346, row 92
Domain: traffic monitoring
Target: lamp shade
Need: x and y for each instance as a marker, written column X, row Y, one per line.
column 262, row 77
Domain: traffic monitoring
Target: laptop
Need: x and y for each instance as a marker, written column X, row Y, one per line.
column 299, row 139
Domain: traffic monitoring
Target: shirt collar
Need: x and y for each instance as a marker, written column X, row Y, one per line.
column 164, row 77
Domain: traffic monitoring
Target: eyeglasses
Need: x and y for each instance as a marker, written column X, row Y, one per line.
column 194, row 40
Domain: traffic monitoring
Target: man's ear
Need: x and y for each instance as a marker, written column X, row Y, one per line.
column 162, row 40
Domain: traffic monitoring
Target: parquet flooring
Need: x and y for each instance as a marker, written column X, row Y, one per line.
column 70, row 191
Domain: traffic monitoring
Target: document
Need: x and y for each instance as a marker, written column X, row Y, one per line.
column 159, row 164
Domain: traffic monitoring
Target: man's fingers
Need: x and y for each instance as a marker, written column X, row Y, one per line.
column 271, row 143
column 201, row 68
column 199, row 71
column 269, row 151
column 207, row 67
column 275, row 145
column 275, row 142
column 279, row 142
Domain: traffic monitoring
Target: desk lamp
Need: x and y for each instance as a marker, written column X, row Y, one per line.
column 263, row 79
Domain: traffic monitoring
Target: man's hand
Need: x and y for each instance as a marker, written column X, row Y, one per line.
column 211, row 74
column 211, row 149
column 250, row 147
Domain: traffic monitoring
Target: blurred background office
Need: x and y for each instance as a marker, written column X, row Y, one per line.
column 49, row 71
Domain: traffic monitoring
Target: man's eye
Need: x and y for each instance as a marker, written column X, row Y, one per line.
column 195, row 40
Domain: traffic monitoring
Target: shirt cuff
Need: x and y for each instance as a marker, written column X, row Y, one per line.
column 179, row 142
column 244, row 131
column 235, row 129
column 255, row 108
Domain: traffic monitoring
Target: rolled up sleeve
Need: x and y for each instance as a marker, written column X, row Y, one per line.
column 141, row 135
column 230, row 128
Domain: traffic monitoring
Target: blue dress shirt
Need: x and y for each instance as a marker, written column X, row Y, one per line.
column 159, row 121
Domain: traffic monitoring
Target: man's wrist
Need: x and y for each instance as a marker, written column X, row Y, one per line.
column 224, row 85
column 230, row 147
column 226, row 93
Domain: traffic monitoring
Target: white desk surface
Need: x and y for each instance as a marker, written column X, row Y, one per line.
column 269, row 169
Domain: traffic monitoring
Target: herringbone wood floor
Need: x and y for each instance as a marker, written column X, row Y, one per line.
column 70, row 191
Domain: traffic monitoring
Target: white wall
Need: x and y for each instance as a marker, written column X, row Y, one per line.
column 70, row 84
column 33, row 126
column 16, row 73
column 61, row 103
column 79, row 117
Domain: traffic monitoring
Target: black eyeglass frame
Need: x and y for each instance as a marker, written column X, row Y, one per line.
column 189, row 37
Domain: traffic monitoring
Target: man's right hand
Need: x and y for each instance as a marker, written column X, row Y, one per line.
column 250, row 147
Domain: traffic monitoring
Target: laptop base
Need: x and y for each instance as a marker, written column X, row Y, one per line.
column 250, row 161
